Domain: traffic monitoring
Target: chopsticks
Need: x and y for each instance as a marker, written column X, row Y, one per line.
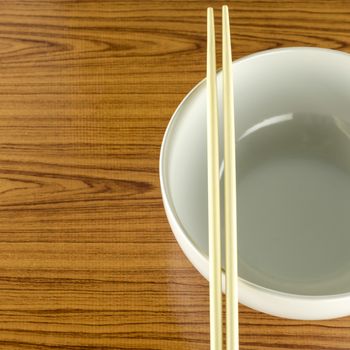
column 213, row 191
column 232, row 334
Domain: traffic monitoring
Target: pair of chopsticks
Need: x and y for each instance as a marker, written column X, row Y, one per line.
column 232, row 340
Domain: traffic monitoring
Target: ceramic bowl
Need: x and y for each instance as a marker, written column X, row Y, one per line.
column 292, row 110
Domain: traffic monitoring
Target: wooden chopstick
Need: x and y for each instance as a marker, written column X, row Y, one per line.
column 213, row 191
column 232, row 322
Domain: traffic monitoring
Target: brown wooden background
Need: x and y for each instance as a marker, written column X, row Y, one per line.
column 87, row 259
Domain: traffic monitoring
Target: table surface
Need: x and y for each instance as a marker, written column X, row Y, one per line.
column 87, row 258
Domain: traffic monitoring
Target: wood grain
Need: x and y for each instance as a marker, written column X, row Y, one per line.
column 87, row 258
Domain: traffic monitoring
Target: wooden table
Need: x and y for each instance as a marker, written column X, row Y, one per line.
column 87, row 258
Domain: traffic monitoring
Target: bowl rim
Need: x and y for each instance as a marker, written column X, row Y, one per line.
column 172, row 214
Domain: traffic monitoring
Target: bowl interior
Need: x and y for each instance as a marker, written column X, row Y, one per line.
column 293, row 169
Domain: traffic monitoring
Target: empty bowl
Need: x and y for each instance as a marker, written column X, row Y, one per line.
column 293, row 180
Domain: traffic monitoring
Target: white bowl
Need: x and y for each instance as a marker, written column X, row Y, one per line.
column 293, row 163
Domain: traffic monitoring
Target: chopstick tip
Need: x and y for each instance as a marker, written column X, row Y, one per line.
column 210, row 17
